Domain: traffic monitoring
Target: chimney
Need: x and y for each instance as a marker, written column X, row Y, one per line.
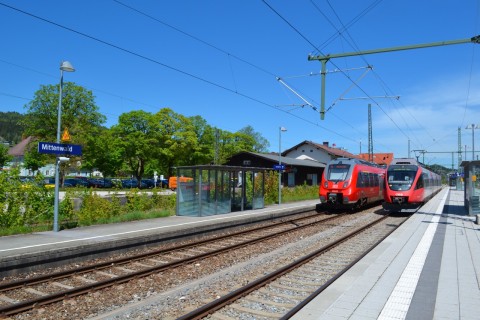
column 325, row 143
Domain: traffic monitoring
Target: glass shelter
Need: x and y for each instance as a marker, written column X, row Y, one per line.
column 212, row 189
column 472, row 186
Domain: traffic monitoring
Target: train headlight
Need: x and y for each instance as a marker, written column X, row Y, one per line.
column 325, row 184
column 345, row 184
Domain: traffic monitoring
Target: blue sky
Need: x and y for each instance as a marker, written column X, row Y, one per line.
column 221, row 60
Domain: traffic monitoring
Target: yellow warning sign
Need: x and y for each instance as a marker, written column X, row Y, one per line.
column 65, row 135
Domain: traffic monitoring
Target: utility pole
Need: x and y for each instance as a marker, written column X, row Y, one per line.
column 217, row 142
column 419, row 152
column 370, row 138
column 473, row 127
column 324, row 59
column 459, row 146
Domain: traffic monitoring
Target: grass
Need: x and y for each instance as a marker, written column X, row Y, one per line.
column 136, row 215
column 24, row 229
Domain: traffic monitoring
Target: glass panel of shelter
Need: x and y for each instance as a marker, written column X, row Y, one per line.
column 204, row 190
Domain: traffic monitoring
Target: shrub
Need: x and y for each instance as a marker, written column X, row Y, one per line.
column 94, row 208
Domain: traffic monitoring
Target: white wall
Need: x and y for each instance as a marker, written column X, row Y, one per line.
column 311, row 151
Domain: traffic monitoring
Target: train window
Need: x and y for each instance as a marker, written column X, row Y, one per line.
column 420, row 183
column 371, row 182
column 360, row 182
column 401, row 177
column 366, row 179
column 338, row 172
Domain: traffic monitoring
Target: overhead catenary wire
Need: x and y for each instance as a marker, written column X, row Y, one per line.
column 174, row 69
column 346, row 75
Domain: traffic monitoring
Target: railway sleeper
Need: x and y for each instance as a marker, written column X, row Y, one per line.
column 269, row 302
column 7, row 299
column 111, row 275
column 303, row 283
column 219, row 316
column 61, row 285
column 281, row 286
column 282, row 295
column 35, row 292
column 85, row 279
column 260, row 313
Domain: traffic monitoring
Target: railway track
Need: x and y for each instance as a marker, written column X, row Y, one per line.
column 23, row 295
column 281, row 293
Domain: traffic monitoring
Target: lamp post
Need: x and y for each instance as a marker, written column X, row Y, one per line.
column 280, row 130
column 64, row 66
column 473, row 127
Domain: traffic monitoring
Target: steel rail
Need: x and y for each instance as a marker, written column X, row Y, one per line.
column 261, row 282
column 69, row 293
column 302, row 304
column 99, row 266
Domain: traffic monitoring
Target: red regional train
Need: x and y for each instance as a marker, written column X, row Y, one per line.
column 351, row 183
column 409, row 185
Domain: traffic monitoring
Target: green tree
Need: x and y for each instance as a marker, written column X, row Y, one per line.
column 4, row 156
column 10, row 128
column 79, row 113
column 203, row 152
column 137, row 134
column 177, row 139
column 32, row 159
column 103, row 151
column 232, row 143
column 260, row 143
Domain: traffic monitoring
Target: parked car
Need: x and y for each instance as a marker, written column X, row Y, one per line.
column 150, row 183
column 101, row 183
column 75, row 182
column 50, row 183
column 162, row 183
column 133, row 183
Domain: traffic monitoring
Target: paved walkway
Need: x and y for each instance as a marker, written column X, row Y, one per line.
column 428, row 269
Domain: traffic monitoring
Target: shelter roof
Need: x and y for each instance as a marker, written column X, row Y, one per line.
column 18, row 150
column 336, row 152
column 286, row 160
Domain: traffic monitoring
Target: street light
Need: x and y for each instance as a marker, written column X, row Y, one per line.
column 280, row 130
column 473, row 127
column 64, row 66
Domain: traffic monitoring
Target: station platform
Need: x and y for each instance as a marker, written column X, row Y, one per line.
column 22, row 253
column 429, row 268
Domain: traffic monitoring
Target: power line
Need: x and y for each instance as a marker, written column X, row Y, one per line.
column 172, row 68
column 195, row 38
column 346, row 75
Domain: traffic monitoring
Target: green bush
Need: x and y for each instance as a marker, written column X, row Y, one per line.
column 299, row 193
column 23, row 204
column 271, row 187
column 28, row 207
column 95, row 208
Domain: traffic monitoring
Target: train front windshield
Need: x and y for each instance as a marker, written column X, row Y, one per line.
column 338, row 172
column 400, row 177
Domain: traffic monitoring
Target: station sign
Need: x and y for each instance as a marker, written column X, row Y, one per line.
column 279, row 167
column 58, row 148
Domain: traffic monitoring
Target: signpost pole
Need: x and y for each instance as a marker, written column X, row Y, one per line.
column 280, row 163
column 65, row 66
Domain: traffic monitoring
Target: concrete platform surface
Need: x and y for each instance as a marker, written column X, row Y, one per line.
column 427, row 269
